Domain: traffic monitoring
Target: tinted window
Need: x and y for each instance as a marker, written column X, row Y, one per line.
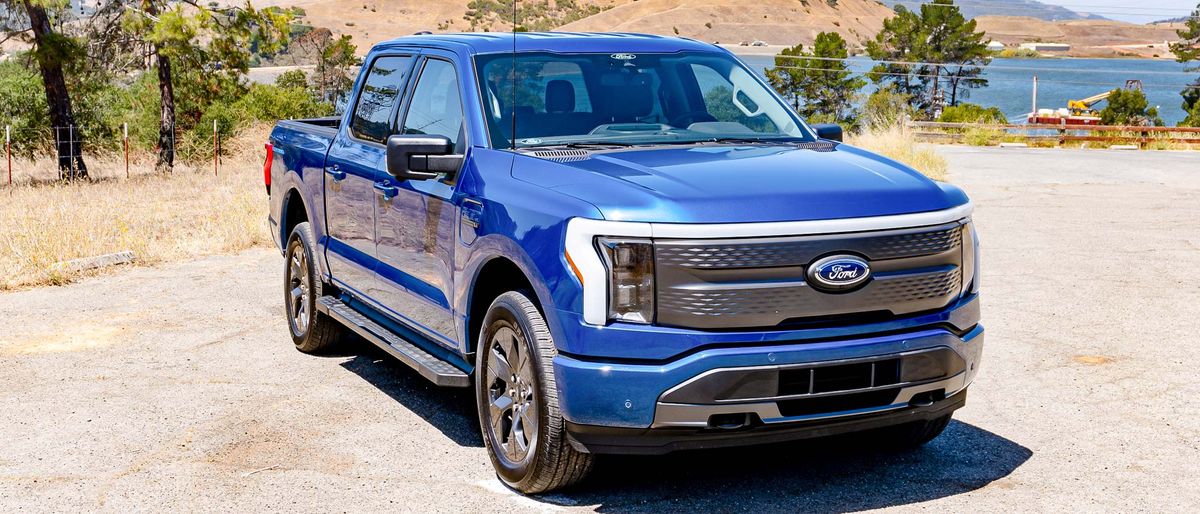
column 543, row 99
column 373, row 112
column 435, row 108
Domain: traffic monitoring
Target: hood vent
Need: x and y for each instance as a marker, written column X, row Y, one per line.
column 818, row 146
column 563, row 155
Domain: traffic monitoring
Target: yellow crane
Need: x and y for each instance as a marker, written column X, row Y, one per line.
column 1084, row 107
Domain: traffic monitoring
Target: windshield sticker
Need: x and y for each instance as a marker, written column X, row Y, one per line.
column 531, row 141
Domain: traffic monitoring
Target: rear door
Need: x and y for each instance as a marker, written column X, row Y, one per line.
column 356, row 163
column 415, row 228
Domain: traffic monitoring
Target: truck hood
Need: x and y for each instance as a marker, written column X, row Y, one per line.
column 740, row 184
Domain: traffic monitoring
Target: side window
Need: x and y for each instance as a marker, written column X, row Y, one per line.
column 372, row 113
column 436, row 106
column 717, row 91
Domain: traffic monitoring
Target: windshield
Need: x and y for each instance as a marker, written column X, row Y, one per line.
column 628, row 99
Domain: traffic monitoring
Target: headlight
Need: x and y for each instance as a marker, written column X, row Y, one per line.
column 630, row 264
column 970, row 258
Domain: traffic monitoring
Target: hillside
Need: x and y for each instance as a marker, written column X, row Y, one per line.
column 1088, row 38
column 1029, row 8
column 776, row 22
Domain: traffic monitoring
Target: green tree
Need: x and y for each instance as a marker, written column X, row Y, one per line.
column 935, row 56
column 1187, row 49
column 52, row 51
column 200, row 52
column 1129, row 107
column 292, row 79
column 818, row 83
column 331, row 77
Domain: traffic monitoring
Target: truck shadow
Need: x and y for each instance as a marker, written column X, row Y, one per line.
column 450, row 410
column 838, row 474
column 823, row 475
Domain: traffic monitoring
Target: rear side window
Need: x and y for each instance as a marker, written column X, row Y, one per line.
column 436, row 108
column 373, row 112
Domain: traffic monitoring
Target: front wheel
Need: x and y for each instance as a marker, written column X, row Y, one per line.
column 519, row 414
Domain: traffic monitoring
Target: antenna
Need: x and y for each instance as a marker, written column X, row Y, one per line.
column 513, row 104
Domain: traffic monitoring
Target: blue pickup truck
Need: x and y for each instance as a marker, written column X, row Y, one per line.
column 625, row 244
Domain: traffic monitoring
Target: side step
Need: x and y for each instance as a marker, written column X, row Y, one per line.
column 429, row 366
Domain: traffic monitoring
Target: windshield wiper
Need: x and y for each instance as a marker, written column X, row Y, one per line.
column 580, row 144
column 754, row 140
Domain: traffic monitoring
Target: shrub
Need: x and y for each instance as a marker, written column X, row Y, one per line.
column 973, row 113
column 884, row 109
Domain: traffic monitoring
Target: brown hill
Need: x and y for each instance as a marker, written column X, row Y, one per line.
column 776, row 22
column 1088, row 38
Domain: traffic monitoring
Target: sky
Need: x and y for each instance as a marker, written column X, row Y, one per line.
column 1126, row 10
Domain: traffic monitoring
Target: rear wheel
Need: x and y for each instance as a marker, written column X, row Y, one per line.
column 517, row 397
column 311, row 331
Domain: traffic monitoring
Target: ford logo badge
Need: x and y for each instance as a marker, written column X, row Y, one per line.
column 838, row 273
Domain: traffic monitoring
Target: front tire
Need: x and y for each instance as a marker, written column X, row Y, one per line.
column 312, row 332
column 519, row 415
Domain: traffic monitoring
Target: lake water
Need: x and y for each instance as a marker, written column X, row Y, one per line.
column 1011, row 82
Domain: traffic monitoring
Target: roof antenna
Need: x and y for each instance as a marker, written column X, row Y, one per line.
column 513, row 104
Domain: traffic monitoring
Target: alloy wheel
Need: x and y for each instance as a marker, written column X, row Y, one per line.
column 512, row 406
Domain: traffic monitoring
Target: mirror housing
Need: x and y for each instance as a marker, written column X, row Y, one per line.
column 830, row 131
column 420, row 157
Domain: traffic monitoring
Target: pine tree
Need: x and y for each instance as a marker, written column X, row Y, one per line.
column 818, row 83
column 1187, row 50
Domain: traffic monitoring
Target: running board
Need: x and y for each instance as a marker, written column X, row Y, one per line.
column 429, row 366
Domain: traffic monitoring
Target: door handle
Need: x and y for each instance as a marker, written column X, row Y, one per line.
column 387, row 189
column 336, row 173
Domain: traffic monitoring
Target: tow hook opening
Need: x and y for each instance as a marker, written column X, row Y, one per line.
column 927, row 398
column 732, row 421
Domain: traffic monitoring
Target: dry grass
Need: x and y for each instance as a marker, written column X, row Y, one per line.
column 160, row 217
column 900, row 144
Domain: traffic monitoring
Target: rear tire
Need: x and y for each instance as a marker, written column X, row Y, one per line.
column 312, row 332
column 515, row 388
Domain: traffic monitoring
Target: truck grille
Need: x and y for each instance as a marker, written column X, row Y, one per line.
column 759, row 282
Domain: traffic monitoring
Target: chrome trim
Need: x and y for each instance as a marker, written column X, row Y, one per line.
column 811, row 377
column 581, row 233
column 696, row 415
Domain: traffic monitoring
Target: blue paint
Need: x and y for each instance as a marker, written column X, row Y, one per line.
column 411, row 258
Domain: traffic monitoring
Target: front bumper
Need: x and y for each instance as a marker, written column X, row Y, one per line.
column 619, row 399
column 657, row 441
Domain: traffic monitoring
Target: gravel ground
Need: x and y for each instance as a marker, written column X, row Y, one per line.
column 176, row 387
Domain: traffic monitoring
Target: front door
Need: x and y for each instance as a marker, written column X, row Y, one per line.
column 356, row 162
column 415, row 228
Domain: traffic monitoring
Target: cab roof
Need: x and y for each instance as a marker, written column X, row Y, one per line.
column 565, row 42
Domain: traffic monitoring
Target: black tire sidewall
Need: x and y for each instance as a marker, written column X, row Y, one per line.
column 299, row 242
column 501, row 314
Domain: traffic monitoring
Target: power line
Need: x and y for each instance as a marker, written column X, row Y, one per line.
column 1086, row 9
column 988, row 79
column 849, row 60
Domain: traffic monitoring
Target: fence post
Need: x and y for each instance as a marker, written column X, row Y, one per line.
column 57, row 148
column 8, row 150
column 71, row 148
column 216, row 147
column 125, row 138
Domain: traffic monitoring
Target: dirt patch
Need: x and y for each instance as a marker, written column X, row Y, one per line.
column 1093, row 360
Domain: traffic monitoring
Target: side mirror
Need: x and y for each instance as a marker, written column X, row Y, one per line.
column 828, row 131
column 420, row 157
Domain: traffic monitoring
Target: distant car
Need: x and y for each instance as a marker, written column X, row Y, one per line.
column 759, row 43
column 633, row 245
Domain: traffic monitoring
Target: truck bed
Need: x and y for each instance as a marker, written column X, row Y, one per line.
column 326, row 126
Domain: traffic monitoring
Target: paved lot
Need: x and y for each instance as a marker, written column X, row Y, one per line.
column 177, row 388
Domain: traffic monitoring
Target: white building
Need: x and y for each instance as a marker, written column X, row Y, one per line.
column 1046, row 47
column 995, row 46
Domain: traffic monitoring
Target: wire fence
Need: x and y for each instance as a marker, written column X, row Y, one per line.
column 68, row 151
